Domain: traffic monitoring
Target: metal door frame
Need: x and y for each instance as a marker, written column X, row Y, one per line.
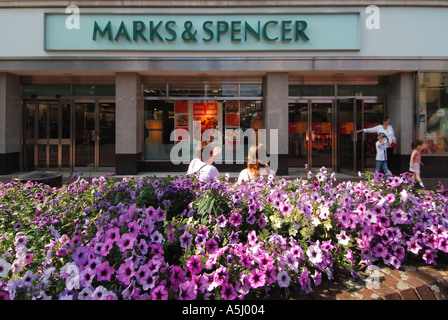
column 356, row 138
column 96, row 134
column 309, row 130
column 36, row 141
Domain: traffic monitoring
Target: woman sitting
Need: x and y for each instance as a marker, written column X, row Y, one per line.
column 256, row 164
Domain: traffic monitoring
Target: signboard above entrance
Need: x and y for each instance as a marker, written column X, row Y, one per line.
column 195, row 32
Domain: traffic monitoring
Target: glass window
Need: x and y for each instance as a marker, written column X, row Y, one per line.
column 183, row 120
column 251, row 90
column 158, row 125
column 243, row 119
column 186, row 90
column 45, row 90
column 310, row 91
column 94, row 90
column 432, row 112
column 237, row 122
column 154, row 90
column 222, row 90
column 362, row 90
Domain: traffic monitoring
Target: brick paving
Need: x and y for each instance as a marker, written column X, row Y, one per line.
column 413, row 281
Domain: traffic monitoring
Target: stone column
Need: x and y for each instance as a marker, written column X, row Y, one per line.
column 401, row 110
column 10, row 123
column 275, row 118
column 129, row 106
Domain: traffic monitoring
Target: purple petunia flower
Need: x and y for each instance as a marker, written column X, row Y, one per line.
column 125, row 272
column 86, row 277
column 235, row 219
column 194, row 264
column 177, row 275
column 228, row 292
column 81, row 255
column 221, row 275
column 142, row 273
column 304, row 280
column 159, row 293
column 104, row 271
column 186, row 239
column 160, row 214
column 188, row 290
column 211, row 245
column 283, row 279
column 399, row 216
column 126, row 242
column 221, row 221
column 429, row 256
column 379, row 250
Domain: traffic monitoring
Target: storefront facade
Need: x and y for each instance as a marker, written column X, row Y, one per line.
column 132, row 87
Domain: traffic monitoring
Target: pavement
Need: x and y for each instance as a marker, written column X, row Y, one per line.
column 413, row 281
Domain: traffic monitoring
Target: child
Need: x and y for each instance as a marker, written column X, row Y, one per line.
column 381, row 154
column 416, row 161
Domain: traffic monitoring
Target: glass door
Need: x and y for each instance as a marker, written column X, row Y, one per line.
column 94, row 134
column 311, row 134
column 349, row 149
column 373, row 113
column 298, row 135
column 85, row 139
column 47, row 135
column 321, row 134
column 106, row 134
column 356, row 152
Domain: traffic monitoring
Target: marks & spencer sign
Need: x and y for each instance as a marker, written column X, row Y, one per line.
column 227, row 32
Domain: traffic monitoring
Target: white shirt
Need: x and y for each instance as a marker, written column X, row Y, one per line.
column 207, row 172
column 245, row 175
column 381, row 152
column 389, row 132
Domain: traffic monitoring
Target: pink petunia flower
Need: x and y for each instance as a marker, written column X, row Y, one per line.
column 228, row 292
column 159, row 293
column 188, row 290
column 126, row 242
column 235, row 219
column 257, row 278
column 104, row 271
column 194, row 264
column 126, row 272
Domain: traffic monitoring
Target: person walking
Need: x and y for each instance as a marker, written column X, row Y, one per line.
column 416, row 162
column 256, row 164
column 388, row 130
column 381, row 154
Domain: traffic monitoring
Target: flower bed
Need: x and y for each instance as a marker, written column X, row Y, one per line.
column 150, row 238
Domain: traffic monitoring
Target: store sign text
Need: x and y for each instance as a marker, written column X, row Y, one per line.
column 201, row 32
column 272, row 30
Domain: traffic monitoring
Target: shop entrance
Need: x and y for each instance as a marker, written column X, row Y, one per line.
column 356, row 152
column 59, row 136
column 94, row 138
column 311, row 132
column 47, row 134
